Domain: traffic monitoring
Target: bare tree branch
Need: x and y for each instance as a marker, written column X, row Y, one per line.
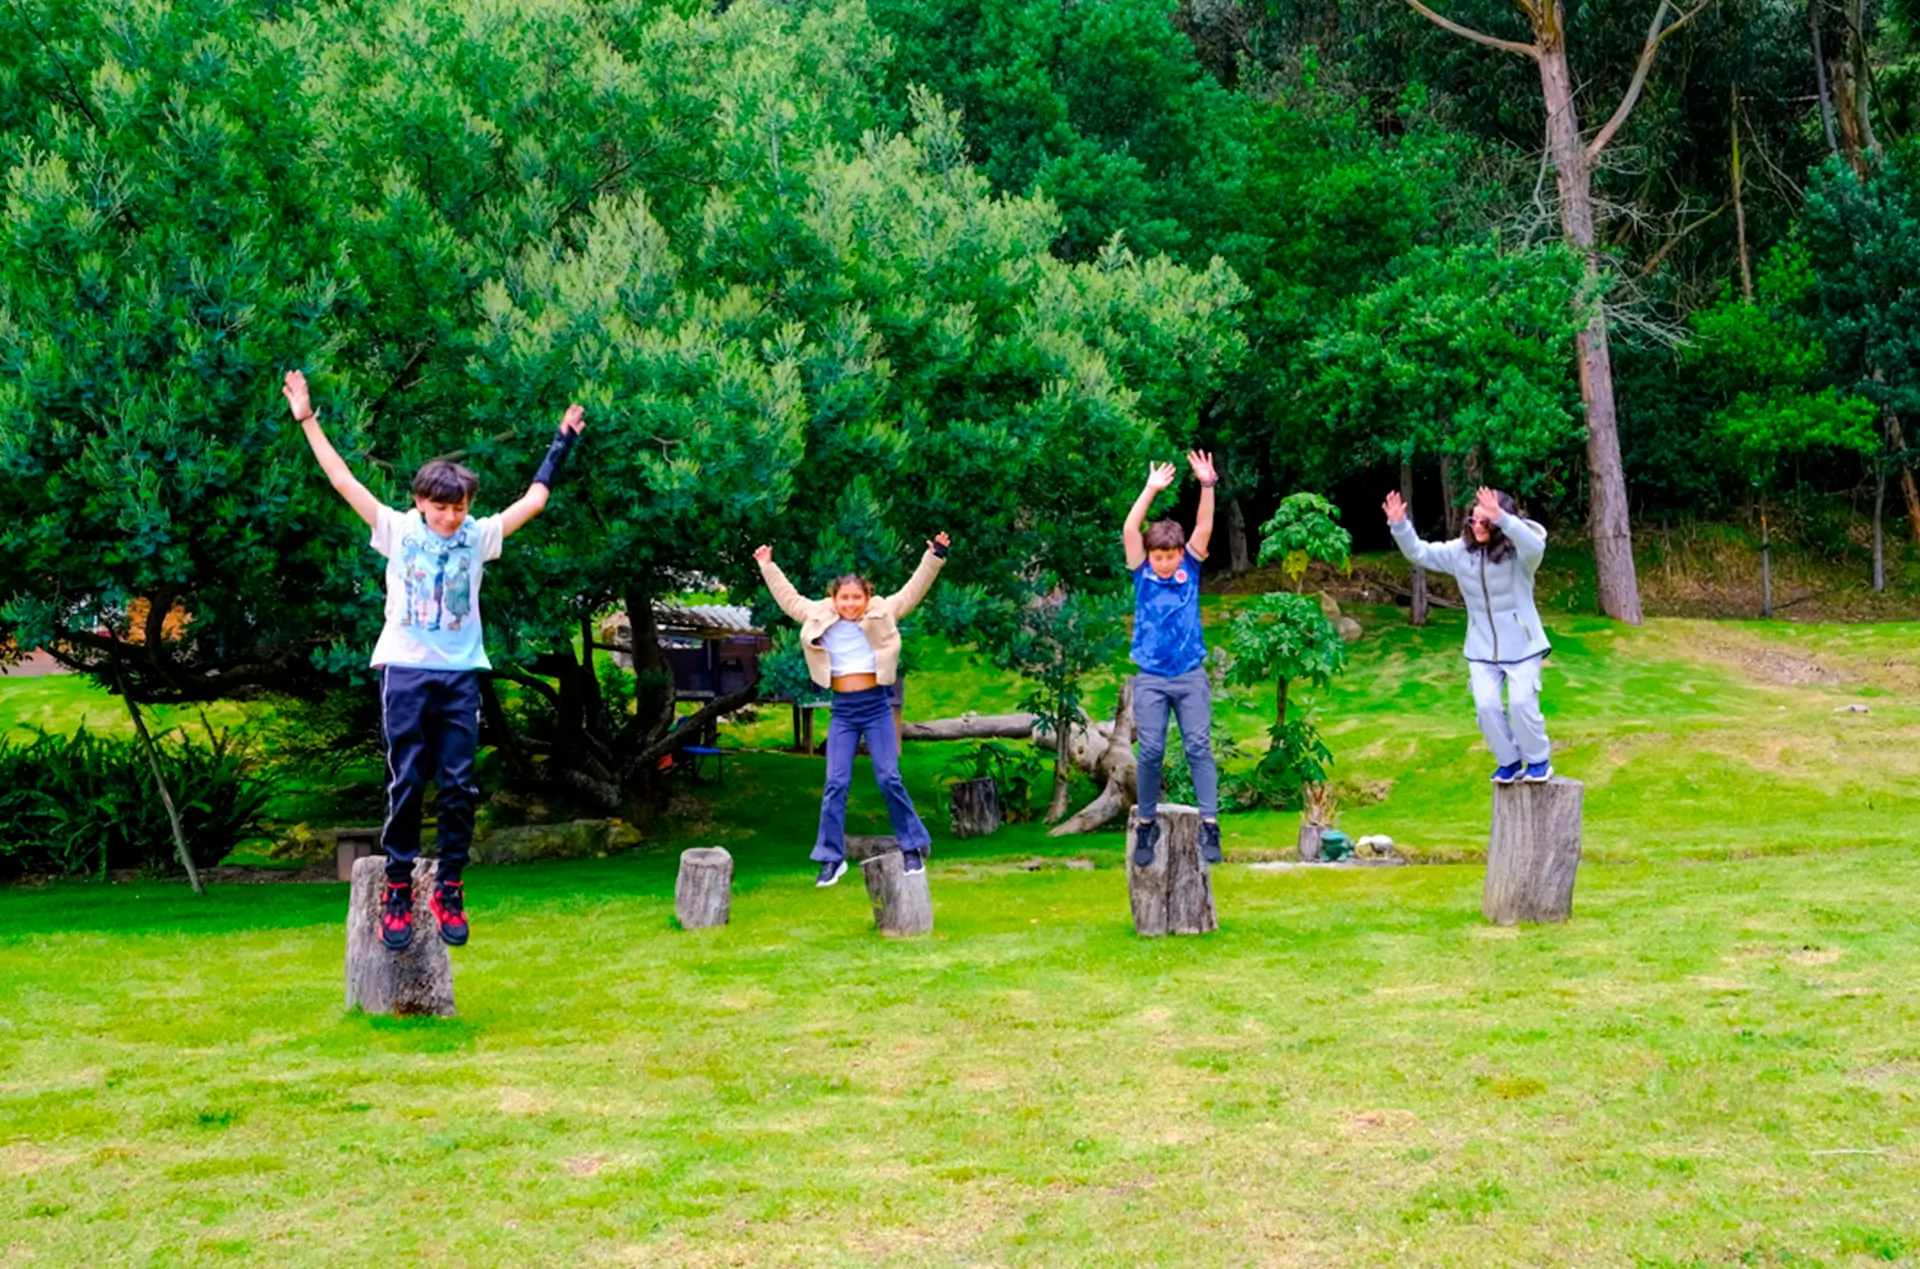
column 1468, row 33
column 1666, row 248
column 1656, row 36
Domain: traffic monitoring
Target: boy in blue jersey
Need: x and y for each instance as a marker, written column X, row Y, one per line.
column 431, row 654
column 1170, row 651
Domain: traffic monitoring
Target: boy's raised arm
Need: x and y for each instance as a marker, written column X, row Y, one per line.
column 1159, row 476
column 534, row 501
column 1202, row 535
column 364, row 504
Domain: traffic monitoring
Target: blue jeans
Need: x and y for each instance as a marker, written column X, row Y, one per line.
column 431, row 722
column 1190, row 696
column 868, row 714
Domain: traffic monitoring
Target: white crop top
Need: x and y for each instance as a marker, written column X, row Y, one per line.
column 847, row 648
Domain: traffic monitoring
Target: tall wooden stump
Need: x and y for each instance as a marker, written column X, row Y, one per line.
column 418, row 980
column 1533, row 852
column 976, row 808
column 1173, row 894
column 902, row 903
column 703, row 895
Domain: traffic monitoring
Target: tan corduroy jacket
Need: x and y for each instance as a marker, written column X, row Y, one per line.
column 881, row 623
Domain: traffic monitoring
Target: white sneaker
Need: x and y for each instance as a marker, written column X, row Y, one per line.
column 830, row 872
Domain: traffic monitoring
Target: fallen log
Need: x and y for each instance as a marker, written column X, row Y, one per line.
column 973, row 727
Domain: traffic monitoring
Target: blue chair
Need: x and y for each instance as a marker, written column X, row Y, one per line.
column 697, row 755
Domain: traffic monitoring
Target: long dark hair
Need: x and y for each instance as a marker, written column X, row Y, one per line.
column 1496, row 546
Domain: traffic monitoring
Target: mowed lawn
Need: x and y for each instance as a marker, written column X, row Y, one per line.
column 1717, row 1062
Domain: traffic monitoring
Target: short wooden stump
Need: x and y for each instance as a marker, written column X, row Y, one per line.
column 703, row 895
column 974, row 808
column 416, row 981
column 1533, row 852
column 1173, row 894
column 902, row 901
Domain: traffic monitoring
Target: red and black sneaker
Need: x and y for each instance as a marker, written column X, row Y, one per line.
column 449, row 905
column 396, row 918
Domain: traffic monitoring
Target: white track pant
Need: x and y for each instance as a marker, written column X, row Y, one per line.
column 1515, row 730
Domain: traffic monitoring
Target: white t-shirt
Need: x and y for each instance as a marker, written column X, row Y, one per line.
column 433, row 591
column 847, row 648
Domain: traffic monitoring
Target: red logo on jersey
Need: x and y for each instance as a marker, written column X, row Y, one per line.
column 1181, row 577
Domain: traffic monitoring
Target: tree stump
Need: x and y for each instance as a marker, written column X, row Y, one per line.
column 1533, row 852
column 1310, row 843
column 1174, row 894
column 416, row 981
column 976, row 808
column 902, row 903
column 703, row 895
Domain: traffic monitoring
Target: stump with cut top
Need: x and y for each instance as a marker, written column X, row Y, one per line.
column 1534, row 851
column 1173, row 894
column 902, row 903
column 416, row 981
column 975, row 807
column 703, row 895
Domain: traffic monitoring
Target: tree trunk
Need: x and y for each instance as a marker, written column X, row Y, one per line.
column 1062, row 772
column 1533, row 852
column 1450, row 494
column 1240, row 563
column 902, row 903
column 1612, row 535
column 1417, row 610
column 1897, row 441
column 1879, row 526
column 974, row 808
column 1739, row 207
column 1766, row 567
column 1820, row 76
column 703, row 893
column 1280, row 705
column 416, row 981
column 1106, row 753
column 159, row 776
column 1173, row 894
column 974, row 727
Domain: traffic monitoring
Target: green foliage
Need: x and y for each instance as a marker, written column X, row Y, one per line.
column 1769, row 374
column 1463, row 349
column 1305, row 530
column 85, row 803
column 1283, row 638
column 1015, row 770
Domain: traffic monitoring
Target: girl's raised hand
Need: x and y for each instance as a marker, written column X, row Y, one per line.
column 574, row 420
column 1202, row 464
column 764, row 554
column 1160, row 476
column 294, row 389
column 940, row 540
column 1486, row 506
column 1396, row 509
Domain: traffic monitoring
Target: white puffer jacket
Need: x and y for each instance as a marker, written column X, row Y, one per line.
column 1503, row 626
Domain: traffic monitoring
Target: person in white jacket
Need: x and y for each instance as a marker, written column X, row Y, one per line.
column 1494, row 561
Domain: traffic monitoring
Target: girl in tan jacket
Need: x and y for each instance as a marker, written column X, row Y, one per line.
column 852, row 644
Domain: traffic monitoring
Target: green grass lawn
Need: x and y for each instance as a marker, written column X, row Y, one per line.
column 1714, row 1063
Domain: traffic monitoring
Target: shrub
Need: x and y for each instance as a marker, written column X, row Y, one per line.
column 85, row 803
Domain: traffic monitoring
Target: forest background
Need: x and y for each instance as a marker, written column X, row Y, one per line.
column 838, row 275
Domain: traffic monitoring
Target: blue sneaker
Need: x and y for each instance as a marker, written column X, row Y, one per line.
column 1539, row 772
column 1509, row 773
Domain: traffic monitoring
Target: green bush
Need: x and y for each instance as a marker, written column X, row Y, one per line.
column 85, row 803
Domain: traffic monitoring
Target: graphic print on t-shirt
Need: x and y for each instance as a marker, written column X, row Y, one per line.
column 438, row 575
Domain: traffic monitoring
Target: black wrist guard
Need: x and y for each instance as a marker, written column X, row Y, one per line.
column 939, row 551
column 556, row 457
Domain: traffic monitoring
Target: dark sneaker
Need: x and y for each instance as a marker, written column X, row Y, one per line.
column 1509, row 773
column 396, row 918
column 1145, row 837
column 913, row 861
column 449, row 904
column 1539, row 772
column 1210, row 841
column 830, row 872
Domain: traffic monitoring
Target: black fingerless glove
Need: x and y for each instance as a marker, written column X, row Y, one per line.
column 556, row 457
column 939, row 551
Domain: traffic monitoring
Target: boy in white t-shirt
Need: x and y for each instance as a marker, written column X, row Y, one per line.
column 430, row 654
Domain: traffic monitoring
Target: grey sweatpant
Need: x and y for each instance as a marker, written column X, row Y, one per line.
column 1515, row 729
column 1189, row 695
